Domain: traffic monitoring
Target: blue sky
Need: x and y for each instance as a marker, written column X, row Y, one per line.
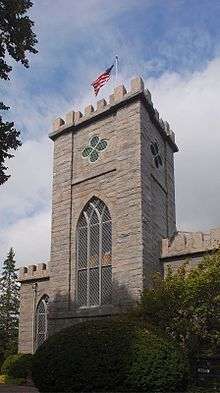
column 173, row 44
column 150, row 37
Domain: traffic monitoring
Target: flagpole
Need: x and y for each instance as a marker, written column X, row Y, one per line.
column 116, row 70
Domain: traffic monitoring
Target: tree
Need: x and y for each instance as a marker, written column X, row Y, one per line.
column 16, row 40
column 186, row 305
column 9, row 305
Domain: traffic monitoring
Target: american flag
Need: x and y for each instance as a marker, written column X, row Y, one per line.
column 102, row 80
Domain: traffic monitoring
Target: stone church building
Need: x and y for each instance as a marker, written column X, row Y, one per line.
column 113, row 216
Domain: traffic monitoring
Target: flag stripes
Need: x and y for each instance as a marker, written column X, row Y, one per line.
column 102, row 80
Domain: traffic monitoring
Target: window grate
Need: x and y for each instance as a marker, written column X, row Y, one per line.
column 94, row 287
column 82, row 257
column 106, row 284
column 82, row 287
column 41, row 321
column 106, row 243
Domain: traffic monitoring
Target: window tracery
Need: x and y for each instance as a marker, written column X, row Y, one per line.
column 41, row 321
column 94, row 255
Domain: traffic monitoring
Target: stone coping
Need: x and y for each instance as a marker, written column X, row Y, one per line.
column 120, row 97
column 183, row 243
column 33, row 272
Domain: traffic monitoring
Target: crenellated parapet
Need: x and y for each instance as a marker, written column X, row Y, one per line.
column 33, row 272
column 116, row 100
column 184, row 243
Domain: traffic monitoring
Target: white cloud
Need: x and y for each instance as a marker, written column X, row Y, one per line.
column 30, row 237
column 191, row 104
column 188, row 102
column 29, row 186
column 25, row 201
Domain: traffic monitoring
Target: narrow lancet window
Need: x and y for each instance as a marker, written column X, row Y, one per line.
column 41, row 321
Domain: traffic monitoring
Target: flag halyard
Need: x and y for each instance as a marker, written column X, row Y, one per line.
column 102, row 80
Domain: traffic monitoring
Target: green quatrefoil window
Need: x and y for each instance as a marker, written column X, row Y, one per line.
column 95, row 146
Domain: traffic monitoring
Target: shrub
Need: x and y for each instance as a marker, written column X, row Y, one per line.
column 108, row 355
column 7, row 380
column 2, row 379
column 157, row 364
column 17, row 366
column 186, row 305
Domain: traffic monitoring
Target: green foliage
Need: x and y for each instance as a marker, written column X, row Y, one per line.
column 186, row 303
column 16, row 35
column 197, row 389
column 8, row 380
column 157, row 364
column 9, row 306
column 110, row 355
column 8, row 140
column 16, row 40
column 17, row 366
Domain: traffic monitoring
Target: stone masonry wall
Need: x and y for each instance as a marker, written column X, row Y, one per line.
column 34, row 285
column 158, row 194
column 121, row 179
column 140, row 199
column 188, row 247
column 115, row 179
column 184, row 243
column 60, row 258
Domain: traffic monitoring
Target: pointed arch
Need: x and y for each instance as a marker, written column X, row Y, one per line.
column 94, row 255
column 41, row 323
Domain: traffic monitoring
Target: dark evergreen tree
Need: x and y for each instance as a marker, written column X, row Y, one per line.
column 9, row 306
column 16, row 40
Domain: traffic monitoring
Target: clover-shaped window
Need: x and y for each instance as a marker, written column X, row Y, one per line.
column 95, row 146
column 156, row 154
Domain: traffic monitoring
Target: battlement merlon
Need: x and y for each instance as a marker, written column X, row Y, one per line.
column 33, row 273
column 186, row 243
column 74, row 120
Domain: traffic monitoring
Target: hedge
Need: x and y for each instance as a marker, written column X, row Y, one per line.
column 108, row 356
column 17, row 366
column 7, row 380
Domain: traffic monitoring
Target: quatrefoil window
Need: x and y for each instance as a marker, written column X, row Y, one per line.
column 95, row 146
column 156, row 154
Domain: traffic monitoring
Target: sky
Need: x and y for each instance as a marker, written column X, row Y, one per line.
column 173, row 44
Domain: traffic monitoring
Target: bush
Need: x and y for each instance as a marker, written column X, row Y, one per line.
column 17, row 366
column 7, row 380
column 1, row 359
column 186, row 305
column 108, row 355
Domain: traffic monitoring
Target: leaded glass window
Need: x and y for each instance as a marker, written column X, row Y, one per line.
column 155, row 150
column 41, row 321
column 94, row 255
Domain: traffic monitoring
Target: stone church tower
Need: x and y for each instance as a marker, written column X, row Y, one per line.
column 113, row 201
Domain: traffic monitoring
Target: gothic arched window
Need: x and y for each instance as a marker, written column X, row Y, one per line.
column 41, row 321
column 94, row 255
